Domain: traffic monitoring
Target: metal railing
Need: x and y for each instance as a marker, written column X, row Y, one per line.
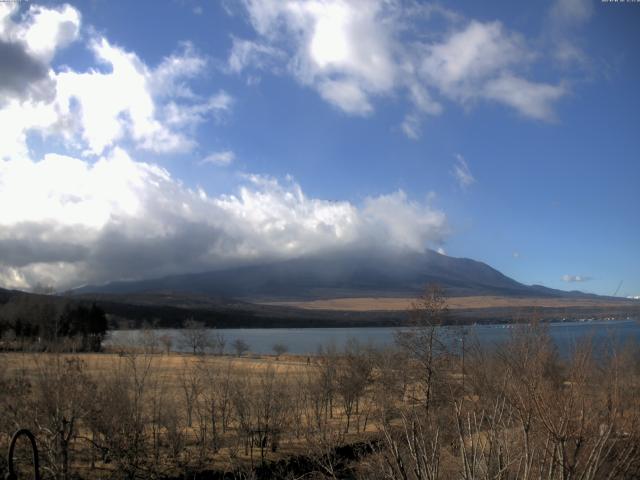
column 11, row 475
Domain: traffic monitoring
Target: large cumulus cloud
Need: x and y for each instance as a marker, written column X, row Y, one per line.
column 94, row 213
column 118, row 218
column 121, row 99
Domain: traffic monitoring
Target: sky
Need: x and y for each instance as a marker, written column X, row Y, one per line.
column 140, row 139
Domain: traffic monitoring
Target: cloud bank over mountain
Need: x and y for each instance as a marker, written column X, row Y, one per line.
column 82, row 222
column 101, row 215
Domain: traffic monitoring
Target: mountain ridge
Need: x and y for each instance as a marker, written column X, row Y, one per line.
column 338, row 276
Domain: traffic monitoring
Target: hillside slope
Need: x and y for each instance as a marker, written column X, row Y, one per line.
column 340, row 276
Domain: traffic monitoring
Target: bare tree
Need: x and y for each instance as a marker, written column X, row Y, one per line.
column 279, row 349
column 166, row 341
column 352, row 378
column 411, row 450
column 327, row 362
column 148, row 339
column 218, row 343
column 195, row 336
column 240, row 346
column 119, row 415
column 190, row 385
column 175, row 431
column 159, row 401
column 391, row 381
column 423, row 340
column 261, row 409
column 214, row 408
column 62, row 400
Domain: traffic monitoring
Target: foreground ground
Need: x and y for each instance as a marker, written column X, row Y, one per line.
column 520, row 412
column 184, row 403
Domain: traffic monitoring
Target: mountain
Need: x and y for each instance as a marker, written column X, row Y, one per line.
column 339, row 275
column 338, row 290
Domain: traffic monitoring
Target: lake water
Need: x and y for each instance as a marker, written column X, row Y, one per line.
column 307, row 340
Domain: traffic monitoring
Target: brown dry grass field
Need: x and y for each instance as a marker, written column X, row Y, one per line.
column 170, row 366
column 366, row 304
column 166, row 374
column 135, row 407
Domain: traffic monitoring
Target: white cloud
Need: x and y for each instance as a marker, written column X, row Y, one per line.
column 190, row 115
column 404, row 223
column 567, row 53
column 43, row 30
column 515, row 254
column 27, row 86
column 68, row 191
column 96, row 109
column 534, row 100
column 565, row 17
column 128, row 106
column 575, row 278
column 124, row 104
column 478, row 63
column 223, row 158
column 17, row 118
column 340, row 48
column 411, row 126
column 462, row 173
column 28, row 46
column 117, row 218
column 170, row 77
column 571, row 12
column 245, row 53
column 422, row 100
column 346, row 95
column 352, row 52
column 470, row 55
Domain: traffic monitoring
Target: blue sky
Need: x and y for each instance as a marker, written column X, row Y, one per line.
column 147, row 138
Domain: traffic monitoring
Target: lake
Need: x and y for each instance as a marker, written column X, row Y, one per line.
column 305, row 341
